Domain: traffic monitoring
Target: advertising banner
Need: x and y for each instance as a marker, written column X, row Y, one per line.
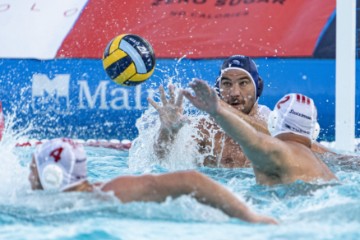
column 52, row 75
column 75, row 98
column 204, row 28
column 195, row 29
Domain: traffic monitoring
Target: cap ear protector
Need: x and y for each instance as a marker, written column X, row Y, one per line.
column 260, row 87
column 51, row 177
column 273, row 122
column 217, row 85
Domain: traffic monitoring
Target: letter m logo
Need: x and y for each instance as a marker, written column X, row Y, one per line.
column 50, row 94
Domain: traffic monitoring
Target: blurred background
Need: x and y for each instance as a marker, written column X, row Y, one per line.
column 52, row 75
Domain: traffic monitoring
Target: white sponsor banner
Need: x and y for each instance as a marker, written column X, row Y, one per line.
column 36, row 28
column 54, row 95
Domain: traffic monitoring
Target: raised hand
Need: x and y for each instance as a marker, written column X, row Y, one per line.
column 205, row 98
column 171, row 111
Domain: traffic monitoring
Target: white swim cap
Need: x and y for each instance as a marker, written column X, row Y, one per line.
column 61, row 164
column 294, row 113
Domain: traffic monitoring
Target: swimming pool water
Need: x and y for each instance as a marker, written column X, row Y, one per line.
column 306, row 211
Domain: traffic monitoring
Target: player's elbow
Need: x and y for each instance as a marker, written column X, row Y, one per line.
column 193, row 180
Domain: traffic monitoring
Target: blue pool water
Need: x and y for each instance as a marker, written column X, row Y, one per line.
column 306, row 211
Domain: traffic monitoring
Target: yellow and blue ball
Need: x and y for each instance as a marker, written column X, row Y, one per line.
column 129, row 60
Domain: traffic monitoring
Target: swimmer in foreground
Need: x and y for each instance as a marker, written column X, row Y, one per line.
column 60, row 164
column 239, row 87
column 282, row 158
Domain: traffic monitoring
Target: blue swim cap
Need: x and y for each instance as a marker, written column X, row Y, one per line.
column 246, row 64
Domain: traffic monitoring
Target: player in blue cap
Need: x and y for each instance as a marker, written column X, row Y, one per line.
column 241, row 67
column 239, row 87
column 247, row 65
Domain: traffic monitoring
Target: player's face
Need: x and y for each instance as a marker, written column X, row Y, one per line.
column 238, row 90
column 34, row 176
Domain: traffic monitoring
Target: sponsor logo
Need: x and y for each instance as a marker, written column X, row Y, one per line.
column 53, row 95
column 218, row 3
column 104, row 97
column 50, row 94
column 299, row 114
column 295, row 129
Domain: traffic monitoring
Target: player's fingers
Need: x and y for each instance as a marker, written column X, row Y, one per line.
column 162, row 95
column 172, row 93
column 153, row 103
column 179, row 99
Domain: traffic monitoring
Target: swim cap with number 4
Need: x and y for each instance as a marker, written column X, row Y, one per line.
column 61, row 164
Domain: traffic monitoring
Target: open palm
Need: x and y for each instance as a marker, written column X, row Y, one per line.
column 171, row 111
column 205, row 97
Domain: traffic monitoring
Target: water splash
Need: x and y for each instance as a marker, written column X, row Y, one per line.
column 12, row 174
column 183, row 152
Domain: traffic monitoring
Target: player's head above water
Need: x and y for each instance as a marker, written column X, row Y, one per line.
column 58, row 164
column 294, row 113
column 244, row 64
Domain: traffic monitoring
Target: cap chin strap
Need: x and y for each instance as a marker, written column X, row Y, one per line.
column 315, row 132
column 52, row 177
column 273, row 122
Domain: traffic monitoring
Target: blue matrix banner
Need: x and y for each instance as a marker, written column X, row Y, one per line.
column 75, row 98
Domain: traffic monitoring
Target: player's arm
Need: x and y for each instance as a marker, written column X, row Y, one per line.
column 264, row 151
column 261, row 149
column 158, row 188
column 259, row 124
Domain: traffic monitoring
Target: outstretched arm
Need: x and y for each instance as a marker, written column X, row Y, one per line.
column 262, row 150
column 259, row 124
column 205, row 190
column 171, row 118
